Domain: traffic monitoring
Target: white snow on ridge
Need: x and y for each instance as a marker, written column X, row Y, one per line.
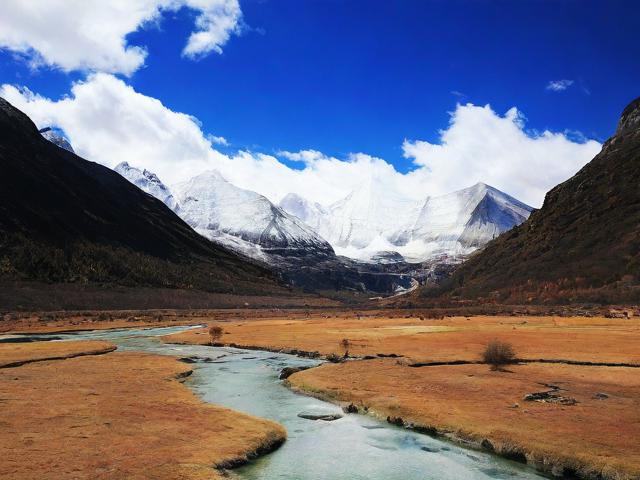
column 56, row 137
column 369, row 224
column 365, row 214
column 217, row 209
column 450, row 226
column 148, row 182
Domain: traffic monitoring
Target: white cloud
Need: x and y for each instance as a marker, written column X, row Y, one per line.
column 482, row 146
column 107, row 121
column 218, row 140
column 559, row 85
column 218, row 20
column 91, row 35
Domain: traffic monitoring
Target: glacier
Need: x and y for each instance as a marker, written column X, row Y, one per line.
column 447, row 228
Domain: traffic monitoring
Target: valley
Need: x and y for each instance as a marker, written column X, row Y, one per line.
column 323, row 241
column 422, row 374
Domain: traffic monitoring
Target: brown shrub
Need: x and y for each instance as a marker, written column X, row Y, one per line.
column 215, row 333
column 498, row 354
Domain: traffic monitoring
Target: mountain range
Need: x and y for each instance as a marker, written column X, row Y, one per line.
column 367, row 223
column 351, row 243
column 346, row 244
column 65, row 219
column 364, row 226
column 251, row 225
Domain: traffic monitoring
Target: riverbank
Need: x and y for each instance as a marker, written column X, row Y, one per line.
column 594, row 438
column 116, row 415
column 588, row 427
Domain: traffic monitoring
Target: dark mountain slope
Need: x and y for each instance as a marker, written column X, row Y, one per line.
column 583, row 245
column 64, row 219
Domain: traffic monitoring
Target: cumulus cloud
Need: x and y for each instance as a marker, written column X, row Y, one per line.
column 86, row 35
column 482, row 146
column 559, row 85
column 107, row 121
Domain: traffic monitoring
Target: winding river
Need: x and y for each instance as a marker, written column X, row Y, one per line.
column 355, row 447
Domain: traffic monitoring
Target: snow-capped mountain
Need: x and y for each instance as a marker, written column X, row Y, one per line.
column 367, row 217
column 301, row 238
column 244, row 220
column 369, row 222
column 460, row 222
column 148, row 182
column 248, row 223
column 311, row 213
column 56, row 137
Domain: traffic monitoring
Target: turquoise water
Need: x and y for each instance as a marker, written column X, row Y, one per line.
column 355, row 447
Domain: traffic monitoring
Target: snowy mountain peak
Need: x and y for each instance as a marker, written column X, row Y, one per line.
column 467, row 219
column 245, row 220
column 148, row 182
column 57, row 137
column 311, row 213
column 370, row 221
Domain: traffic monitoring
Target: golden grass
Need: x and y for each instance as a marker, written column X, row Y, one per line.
column 594, row 437
column 15, row 354
column 117, row 416
column 452, row 338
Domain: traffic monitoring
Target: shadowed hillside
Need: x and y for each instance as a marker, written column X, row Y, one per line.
column 64, row 219
column 583, row 245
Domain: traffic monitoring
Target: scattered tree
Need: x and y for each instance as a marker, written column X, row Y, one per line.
column 498, row 354
column 215, row 333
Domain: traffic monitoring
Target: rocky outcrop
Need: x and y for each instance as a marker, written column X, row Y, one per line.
column 327, row 417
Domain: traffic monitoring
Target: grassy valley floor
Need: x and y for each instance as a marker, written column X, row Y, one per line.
column 114, row 416
column 589, row 427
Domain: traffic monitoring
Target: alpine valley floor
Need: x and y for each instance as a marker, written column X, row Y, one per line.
column 73, row 410
column 408, row 368
column 588, row 425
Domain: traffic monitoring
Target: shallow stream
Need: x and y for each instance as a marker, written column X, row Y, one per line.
column 355, row 447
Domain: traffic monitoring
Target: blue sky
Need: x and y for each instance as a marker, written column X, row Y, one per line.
column 362, row 76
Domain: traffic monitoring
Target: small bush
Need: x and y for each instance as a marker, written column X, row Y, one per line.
column 333, row 358
column 498, row 354
column 215, row 333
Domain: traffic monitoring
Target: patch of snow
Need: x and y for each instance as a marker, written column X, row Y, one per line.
column 148, row 182
column 56, row 136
